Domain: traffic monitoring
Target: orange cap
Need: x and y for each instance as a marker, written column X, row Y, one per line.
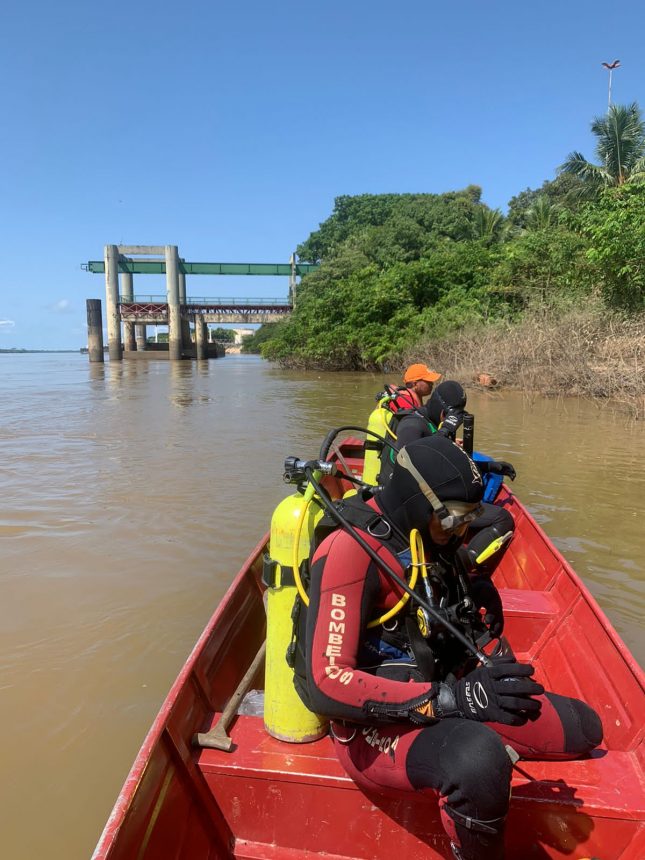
column 416, row 372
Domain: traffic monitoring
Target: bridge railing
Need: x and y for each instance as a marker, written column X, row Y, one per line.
column 202, row 300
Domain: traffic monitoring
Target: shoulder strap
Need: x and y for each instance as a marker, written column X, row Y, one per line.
column 357, row 513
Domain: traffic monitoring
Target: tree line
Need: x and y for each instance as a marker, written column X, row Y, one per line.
column 400, row 269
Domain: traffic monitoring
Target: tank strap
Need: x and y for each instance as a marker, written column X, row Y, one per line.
column 372, row 445
column 276, row 575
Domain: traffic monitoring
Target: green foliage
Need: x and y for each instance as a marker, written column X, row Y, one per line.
column 620, row 148
column 560, row 193
column 224, row 335
column 542, row 214
column 615, row 228
column 456, row 309
column 545, row 266
column 359, row 321
column 391, row 222
column 401, row 269
column 253, row 342
column 487, row 224
column 353, row 323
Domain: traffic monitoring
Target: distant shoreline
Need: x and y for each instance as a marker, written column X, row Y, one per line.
column 23, row 351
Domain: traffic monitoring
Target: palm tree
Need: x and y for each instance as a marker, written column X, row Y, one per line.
column 486, row 223
column 620, row 148
column 542, row 214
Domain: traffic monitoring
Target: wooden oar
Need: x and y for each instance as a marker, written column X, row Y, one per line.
column 217, row 738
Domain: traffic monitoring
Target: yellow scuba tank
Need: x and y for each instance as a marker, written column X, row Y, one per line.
column 285, row 715
column 378, row 422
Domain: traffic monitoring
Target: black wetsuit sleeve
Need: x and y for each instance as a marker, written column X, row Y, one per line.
column 411, row 428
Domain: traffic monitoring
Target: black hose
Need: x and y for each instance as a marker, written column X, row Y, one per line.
column 385, row 567
column 329, row 438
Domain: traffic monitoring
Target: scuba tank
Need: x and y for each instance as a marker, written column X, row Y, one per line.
column 378, row 427
column 377, row 423
column 285, row 715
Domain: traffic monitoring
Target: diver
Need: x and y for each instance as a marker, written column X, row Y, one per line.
column 392, row 404
column 489, row 535
column 444, row 413
column 434, row 723
column 418, row 380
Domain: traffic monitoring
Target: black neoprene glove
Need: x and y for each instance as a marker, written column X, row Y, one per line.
column 500, row 693
column 452, row 420
column 484, row 594
column 499, row 467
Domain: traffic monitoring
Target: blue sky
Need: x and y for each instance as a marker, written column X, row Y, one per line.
column 229, row 128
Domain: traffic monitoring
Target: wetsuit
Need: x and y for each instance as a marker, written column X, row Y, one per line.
column 371, row 693
column 407, row 425
column 496, row 519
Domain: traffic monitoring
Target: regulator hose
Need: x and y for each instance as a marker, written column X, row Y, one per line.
column 329, row 438
column 385, row 567
column 308, row 499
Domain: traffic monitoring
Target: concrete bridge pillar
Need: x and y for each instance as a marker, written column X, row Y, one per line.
column 111, row 256
column 94, row 330
column 185, row 322
column 127, row 293
column 174, row 313
column 140, row 337
column 200, row 338
column 292, row 281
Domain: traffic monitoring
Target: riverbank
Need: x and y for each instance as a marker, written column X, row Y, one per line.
column 585, row 353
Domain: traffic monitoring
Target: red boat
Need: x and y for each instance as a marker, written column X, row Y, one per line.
column 265, row 799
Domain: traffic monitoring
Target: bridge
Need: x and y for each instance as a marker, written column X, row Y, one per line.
column 154, row 309
column 175, row 309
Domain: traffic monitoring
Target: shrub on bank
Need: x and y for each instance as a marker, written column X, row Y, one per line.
column 588, row 353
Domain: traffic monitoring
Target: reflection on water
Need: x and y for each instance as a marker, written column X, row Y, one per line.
column 132, row 494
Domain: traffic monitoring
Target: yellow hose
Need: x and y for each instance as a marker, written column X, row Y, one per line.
column 416, row 548
column 307, row 499
column 416, row 544
column 388, row 421
column 418, row 552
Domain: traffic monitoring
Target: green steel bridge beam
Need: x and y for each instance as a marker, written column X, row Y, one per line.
column 158, row 267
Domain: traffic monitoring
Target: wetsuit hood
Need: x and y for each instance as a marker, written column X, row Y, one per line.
column 447, row 469
column 447, row 395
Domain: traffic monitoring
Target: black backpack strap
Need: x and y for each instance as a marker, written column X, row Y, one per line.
column 422, row 651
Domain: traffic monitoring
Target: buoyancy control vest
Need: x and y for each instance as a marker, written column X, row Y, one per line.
column 392, row 403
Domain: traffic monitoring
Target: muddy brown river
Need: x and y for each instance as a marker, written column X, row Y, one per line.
column 131, row 495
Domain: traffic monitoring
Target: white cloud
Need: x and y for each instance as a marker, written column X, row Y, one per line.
column 62, row 306
column 6, row 326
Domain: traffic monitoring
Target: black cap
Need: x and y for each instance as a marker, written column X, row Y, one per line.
column 447, row 395
column 446, row 467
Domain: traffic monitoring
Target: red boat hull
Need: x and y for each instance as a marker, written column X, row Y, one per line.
column 268, row 799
